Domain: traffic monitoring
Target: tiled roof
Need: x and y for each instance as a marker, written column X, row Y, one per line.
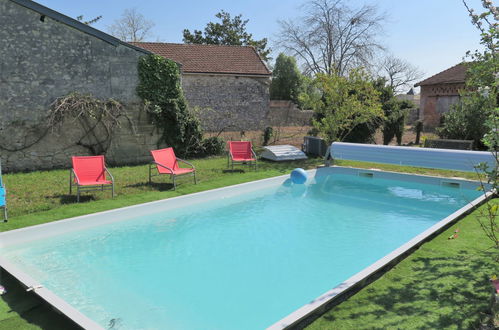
column 210, row 58
column 455, row 74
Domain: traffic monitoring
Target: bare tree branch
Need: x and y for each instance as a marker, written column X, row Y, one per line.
column 132, row 26
column 399, row 73
column 332, row 37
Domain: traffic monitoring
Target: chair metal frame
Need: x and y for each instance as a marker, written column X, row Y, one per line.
column 172, row 174
column 230, row 158
column 73, row 182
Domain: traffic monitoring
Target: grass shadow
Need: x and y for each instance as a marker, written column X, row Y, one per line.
column 71, row 199
column 31, row 308
column 236, row 170
column 160, row 186
column 437, row 293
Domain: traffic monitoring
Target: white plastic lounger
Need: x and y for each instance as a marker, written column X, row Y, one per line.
column 460, row 160
column 282, row 153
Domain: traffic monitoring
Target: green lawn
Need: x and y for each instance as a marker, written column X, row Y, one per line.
column 40, row 197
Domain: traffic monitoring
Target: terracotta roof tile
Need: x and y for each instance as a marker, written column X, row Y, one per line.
column 455, row 74
column 210, row 58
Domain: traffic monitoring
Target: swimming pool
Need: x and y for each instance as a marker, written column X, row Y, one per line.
column 240, row 257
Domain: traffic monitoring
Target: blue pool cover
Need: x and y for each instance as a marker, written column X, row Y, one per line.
column 461, row 160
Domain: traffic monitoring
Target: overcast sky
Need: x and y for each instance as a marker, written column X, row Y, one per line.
column 431, row 34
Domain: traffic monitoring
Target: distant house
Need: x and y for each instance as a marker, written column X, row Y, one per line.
column 232, row 81
column 440, row 92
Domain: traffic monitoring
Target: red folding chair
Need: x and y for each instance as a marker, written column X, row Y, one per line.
column 241, row 152
column 166, row 162
column 89, row 174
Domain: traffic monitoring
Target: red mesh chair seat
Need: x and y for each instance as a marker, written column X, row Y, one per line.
column 241, row 152
column 166, row 162
column 90, row 172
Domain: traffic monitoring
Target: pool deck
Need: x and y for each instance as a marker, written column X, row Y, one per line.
column 301, row 317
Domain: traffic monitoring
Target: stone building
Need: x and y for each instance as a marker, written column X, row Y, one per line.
column 439, row 93
column 46, row 55
column 229, row 85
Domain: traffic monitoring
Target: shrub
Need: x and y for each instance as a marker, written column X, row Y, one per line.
column 212, row 146
column 363, row 133
column 467, row 119
column 267, row 134
column 419, row 129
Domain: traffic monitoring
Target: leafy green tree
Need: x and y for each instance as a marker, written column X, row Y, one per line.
column 345, row 103
column 229, row 31
column 286, row 79
column 309, row 93
column 395, row 112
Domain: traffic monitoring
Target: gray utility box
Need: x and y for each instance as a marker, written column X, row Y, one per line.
column 314, row 146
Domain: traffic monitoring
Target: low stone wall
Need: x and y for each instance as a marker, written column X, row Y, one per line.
column 286, row 113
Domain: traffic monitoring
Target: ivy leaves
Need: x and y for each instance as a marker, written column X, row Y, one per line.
column 160, row 89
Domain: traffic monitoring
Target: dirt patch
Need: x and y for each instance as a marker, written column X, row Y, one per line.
column 293, row 135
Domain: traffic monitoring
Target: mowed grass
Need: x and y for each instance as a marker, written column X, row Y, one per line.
column 421, row 292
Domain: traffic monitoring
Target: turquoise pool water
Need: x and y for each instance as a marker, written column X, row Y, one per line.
column 242, row 262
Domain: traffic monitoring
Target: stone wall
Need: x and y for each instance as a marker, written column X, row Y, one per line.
column 42, row 59
column 286, row 113
column 228, row 101
column 437, row 100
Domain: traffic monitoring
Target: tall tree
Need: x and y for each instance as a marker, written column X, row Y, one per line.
column 132, row 26
column 346, row 102
column 332, row 37
column 286, row 79
column 398, row 72
column 229, row 31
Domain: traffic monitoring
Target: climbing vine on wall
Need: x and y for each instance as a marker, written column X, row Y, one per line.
column 97, row 119
column 160, row 89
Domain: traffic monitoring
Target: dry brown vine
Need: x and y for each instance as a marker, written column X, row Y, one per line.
column 98, row 119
